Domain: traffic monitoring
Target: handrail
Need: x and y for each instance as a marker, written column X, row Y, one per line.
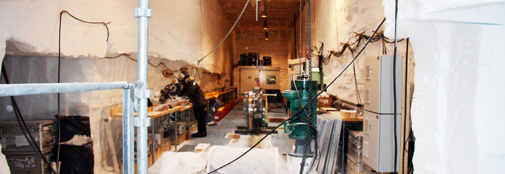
column 48, row 88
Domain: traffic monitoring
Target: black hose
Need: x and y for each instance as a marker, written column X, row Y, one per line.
column 394, row 88
column 24, row 127
column 405, row 102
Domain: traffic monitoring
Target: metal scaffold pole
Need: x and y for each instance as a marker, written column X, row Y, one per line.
column 143, row 13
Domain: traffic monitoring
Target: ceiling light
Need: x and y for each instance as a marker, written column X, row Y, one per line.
column 265, row 25
column 264, row 12
column 266, row 35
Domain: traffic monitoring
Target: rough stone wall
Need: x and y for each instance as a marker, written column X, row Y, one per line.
column 215, row 26
column 338, row 22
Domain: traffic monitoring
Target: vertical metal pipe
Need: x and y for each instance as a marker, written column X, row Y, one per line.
column 176, row 136
column 128, row 132
column 142, row 13
column 189, row 123
column 256, row 10
column 153, row 142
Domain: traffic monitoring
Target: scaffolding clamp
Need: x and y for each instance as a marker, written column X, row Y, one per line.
column 142, row 122
column 143, row 12
column 143, row 93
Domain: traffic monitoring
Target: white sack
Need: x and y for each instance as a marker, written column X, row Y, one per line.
column 4, row 167
column 179, row 162
column 266, row 161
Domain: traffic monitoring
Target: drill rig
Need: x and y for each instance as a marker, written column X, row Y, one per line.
column 298, row 97
column 255, row 112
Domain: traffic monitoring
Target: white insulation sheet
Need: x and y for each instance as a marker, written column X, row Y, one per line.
column 180, row 162
column 4, row 167
column 266, row 160
column 457, row 109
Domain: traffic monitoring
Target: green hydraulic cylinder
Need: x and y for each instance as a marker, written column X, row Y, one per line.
column 297, row 125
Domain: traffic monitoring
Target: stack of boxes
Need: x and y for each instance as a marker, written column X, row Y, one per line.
column 20, row 156
column 355, row 163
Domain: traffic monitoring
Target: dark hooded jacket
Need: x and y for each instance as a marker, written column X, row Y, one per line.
column 194, row 92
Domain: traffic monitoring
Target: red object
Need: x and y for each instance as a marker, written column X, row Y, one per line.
column 227, row 107
column 307, row 52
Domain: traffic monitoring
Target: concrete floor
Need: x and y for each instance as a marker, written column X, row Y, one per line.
column 223, row 133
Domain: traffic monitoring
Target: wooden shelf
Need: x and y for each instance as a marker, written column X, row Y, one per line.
column 211, row 95
column 160, row 111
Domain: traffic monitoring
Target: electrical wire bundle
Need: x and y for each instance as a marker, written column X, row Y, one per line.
column 352, row 47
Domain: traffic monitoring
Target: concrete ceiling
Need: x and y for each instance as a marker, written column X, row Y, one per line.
column 280, row 13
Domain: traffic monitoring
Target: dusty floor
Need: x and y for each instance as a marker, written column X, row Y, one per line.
column 223, row 133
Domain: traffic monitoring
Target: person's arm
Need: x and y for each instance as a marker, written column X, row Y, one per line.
column 183, row 91
column 188, row 90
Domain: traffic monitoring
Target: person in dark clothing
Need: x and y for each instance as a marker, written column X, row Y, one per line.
column 191, row 89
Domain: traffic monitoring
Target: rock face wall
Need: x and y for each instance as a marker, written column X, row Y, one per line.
column 180, row 33
column 336, row 23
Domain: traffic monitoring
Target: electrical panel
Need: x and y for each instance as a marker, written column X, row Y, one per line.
column 378, row 121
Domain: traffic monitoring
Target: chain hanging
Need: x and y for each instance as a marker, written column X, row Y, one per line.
column 309, row 74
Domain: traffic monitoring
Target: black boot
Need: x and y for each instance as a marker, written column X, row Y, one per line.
column 198, row 135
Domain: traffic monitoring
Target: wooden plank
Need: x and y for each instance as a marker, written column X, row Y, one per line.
column 337, row 114
column 277, row 120
column 118, row 112
column 112, row 147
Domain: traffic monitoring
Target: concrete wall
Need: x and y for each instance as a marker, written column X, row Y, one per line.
column 180, row 33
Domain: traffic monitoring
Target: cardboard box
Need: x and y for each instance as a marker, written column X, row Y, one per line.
column 181, row 127
column 180, row 138
column 324, row 102
column 348, row 113
column 202, row 147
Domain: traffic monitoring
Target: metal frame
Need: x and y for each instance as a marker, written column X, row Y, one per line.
column 135, row 96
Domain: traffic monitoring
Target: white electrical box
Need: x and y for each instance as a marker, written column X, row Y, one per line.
column 378, row 121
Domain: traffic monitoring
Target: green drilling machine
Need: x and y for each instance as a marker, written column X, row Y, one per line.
column 298, row 97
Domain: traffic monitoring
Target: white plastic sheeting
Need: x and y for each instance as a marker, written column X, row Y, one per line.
column 4, row 167
column 180, row 162
column 267, row 161
column 457, row 114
